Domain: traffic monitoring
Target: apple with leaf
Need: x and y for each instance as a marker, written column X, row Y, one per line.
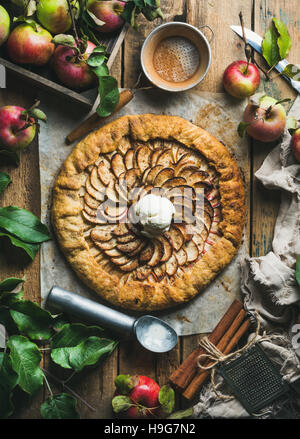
column 264, row 118
column 18, row 126
column 140, row 397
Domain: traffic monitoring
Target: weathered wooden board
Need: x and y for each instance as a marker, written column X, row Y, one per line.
column 265, row 203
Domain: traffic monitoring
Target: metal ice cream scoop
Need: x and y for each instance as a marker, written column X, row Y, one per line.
column 152, row 333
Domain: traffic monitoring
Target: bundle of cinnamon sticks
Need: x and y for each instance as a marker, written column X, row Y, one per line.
column 189, row 377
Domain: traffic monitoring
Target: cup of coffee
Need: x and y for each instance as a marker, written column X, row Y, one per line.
column 176, row 56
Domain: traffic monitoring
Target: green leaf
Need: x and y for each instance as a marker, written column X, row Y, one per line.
column 166, row 398
column 102, row 70
column 242, row 128
column 11, row 290
column 7, row 321
column 270, row 49
column 30, row 249
column 70, row 336
column 31, row 8
column 25, row 359
column 109, row 95
column 121, row 403
column 65, row 40
column 284, row 41
column 298, row 270
column 182, row 414
column 28, row 21
column 89, row 352
column 96, row 59
column 292, row 125
column 62, row 406
column 125, row 383
column 8, row 381
column 38, row 114
column 23, row 224
column 99, row 49
column 95, row 19
column 32, row 320
column 292, row 71
column 130, row 13
column 4, row 181
column 10, row 284
column 12, row 156
column 257, row 98
column 282, row 101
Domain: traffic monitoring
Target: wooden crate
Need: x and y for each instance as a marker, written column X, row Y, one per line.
column 45, row 78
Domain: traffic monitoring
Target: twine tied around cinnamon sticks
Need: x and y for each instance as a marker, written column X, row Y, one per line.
column 214, row 354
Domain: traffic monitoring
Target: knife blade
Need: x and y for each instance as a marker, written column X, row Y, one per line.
column 255, row 41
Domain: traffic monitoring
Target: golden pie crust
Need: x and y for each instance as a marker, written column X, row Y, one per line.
column 148, row 151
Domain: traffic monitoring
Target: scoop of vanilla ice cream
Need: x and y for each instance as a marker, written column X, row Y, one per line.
column 155, row 214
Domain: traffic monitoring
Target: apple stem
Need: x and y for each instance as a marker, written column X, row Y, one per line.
column 248, row 49
column 262, row 70
column 74, row 26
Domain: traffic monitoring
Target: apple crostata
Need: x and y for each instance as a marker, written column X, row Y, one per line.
column 148, row 210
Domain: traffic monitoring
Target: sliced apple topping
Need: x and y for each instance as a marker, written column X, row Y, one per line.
column 119, row 179
column 129, row 159
column 90, row 201
column 147, row 253
column 192, row 251
column 163, row 176
column 143, row 272
column 157, row 254
column 98, row 195
column 117, row 165
column 171, row 265
column 104, row 172
column 153, row 173
column 167, row 248
column 175, row 236
column 143, row 156
column 129, row 247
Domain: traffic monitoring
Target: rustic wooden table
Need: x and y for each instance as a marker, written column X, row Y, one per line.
column 97, row 386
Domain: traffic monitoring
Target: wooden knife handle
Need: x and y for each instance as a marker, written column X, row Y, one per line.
column 94, row 120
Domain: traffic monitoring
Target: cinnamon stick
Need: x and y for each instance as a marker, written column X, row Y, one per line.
column 226, row 345
column 94, row 120
column 182, row 376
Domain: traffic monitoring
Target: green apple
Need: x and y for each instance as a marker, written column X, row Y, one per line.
column 54, row 15
column 4, row 25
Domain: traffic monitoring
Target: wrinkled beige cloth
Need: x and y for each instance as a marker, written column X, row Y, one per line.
column 269, row 286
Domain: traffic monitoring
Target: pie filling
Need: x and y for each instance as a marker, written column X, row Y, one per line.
column 114, row 230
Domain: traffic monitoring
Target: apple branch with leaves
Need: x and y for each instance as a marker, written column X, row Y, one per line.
column 31, row 333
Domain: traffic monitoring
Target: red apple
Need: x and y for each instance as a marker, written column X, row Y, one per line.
column 109, row 12
column 142, row 392
column 266, row 120
column 13, row 136
column 295, row 144
column 30, row 45
column 4, row 25
column 72, row 70
column 241, row 81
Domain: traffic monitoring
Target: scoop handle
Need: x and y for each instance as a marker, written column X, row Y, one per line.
column 88, row 310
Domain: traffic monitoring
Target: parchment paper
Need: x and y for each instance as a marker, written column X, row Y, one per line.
column 218, row 114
